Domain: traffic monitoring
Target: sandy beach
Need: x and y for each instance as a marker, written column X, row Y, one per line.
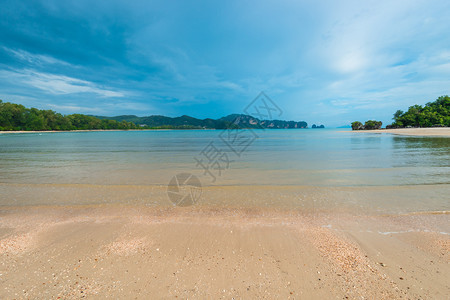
column 71, row 252
column 438, row 131
column 323, row 217
column 205, row 150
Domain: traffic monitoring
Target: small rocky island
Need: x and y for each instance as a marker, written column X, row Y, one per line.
column 317, row 126
column 369, row 125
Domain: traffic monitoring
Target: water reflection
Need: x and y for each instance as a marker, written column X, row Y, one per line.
column 422, row 151
column 277, row 157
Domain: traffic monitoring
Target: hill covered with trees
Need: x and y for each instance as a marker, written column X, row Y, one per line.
column 163, row 122
column 18, row 117
column 433, row 114
column 230, row 121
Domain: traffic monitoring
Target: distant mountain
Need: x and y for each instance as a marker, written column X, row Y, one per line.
column 18, row 117
column 233, row 120
column 246, row 121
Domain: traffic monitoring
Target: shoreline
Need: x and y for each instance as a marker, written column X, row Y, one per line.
column 430, row 132
column 314, row 199
column 151, row 129
column 93, row 130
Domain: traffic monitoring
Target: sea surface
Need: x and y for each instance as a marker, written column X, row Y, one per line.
column 413, row 171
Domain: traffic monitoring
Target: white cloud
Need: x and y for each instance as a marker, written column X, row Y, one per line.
column 58, row 84
column 35, row 58
column 74, row 108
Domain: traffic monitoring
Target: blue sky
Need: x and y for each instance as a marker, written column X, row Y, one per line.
column 325, row 62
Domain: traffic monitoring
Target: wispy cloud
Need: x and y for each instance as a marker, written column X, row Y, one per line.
column 58, row 84
column 35, row 59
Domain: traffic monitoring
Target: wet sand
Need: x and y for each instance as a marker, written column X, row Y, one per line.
column 136, row 251
column 438, row 131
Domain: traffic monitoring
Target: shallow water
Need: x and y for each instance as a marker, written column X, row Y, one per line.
column 322, row 158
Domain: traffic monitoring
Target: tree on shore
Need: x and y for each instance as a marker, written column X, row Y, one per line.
column 357, row 125
column 433, row 114
column 18, row 117
column 372, row 124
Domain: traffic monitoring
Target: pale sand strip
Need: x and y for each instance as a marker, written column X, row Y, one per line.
column 138, row 252
column 438, row 131
column 87, row 130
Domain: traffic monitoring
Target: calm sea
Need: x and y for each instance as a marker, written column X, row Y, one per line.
column 315, row 158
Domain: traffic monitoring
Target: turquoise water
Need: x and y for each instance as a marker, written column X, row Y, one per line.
column 275, row 157
column 377, row 170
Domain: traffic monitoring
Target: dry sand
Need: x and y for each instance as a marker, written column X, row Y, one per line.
column 139, row 252
column 438, row 131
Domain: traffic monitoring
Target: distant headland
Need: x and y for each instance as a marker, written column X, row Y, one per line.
column 16, row 117
column 187, row 122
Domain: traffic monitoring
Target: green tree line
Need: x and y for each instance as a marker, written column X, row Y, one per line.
column 18, row 117
column 435, row 113
column 432, row 114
